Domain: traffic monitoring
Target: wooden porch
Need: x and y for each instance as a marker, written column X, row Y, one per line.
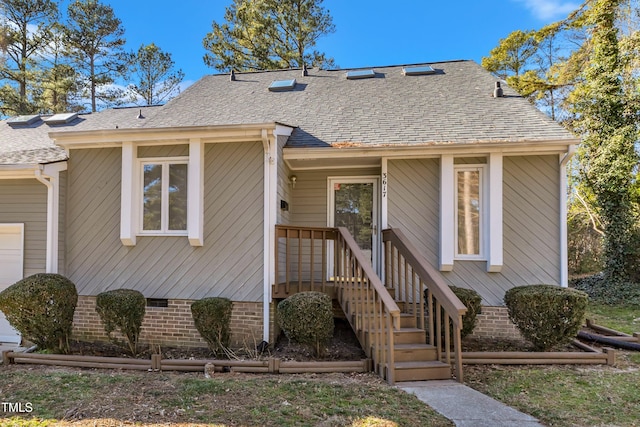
column 388, row 319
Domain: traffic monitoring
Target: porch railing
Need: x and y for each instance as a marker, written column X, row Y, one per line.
column 414, row 281
column 367, row 304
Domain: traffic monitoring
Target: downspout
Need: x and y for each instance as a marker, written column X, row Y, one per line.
column 270, row 180
column 51, row 264
column 564, row 252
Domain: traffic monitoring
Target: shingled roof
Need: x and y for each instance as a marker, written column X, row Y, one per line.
column 454, row 105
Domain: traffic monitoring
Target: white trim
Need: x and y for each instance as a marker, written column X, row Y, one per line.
column 564, row 257
column 195, row 193
column 384, row 194
column 494, row 217
column 483, row 211
column 447, row 213
column 128, row 195
column 375, row 217
column 270, row 189
column 49, row 175
column 166, row 163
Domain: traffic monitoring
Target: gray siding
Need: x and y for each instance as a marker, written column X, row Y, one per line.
column 530, row 219
column 25, row 201
column 284, row 186
column 309, row 202
column 230, row 262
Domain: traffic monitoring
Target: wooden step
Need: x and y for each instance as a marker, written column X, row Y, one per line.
column 406, row 320
column 414, row 352
column 409, row 336
column 421, row 370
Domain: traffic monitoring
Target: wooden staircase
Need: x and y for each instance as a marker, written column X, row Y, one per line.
column 414, row 359
column 389, row 321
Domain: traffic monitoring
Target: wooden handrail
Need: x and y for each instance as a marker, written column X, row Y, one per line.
column 389, row 303
column 448, row 300
column 404, row 264
column 367, row 304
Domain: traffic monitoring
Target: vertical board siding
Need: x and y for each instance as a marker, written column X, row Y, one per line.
column 531, row 222
column 228, row 265
column 25, row 201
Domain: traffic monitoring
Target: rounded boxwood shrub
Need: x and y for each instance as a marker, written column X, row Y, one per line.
column 41, row 308
column 472, row 300
column 307, row 318
column 122, row 310
column 546, row 315
column 212, row 317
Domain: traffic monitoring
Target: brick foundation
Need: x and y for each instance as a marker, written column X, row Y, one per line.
column 493, row 322
column 172, row 325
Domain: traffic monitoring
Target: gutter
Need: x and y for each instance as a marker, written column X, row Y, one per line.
column 49, row 175
column 564, row 250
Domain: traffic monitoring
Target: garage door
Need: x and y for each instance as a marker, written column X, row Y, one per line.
column 11, row 267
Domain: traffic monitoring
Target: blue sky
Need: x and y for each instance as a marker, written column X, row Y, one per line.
column 368, row 33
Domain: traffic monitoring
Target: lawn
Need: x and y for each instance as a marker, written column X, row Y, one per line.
column 60, row 396
column 572, row 395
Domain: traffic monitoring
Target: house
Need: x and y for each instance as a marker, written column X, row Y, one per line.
column 226, row 191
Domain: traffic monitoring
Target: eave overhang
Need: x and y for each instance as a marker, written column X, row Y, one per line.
column 159, row 136
column 370, row 156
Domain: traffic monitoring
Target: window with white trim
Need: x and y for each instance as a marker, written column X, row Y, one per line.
column 163, row 193
column 469, row 211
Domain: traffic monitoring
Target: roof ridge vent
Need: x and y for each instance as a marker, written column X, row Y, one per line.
column 498, row 92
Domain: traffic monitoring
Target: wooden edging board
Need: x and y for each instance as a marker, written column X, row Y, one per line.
column 156, row 363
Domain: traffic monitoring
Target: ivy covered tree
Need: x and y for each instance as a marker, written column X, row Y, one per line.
column 269, row 34
column 95, row 38
column 155, row 79
column 25, row 29
column 590, row 83
column 608, row 112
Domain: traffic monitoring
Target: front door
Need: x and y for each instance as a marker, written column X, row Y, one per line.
column 11, row 264
column 353, row 204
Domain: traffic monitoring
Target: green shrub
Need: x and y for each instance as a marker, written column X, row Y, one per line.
column 546, row 315
column 307, row 318
column 41, row 308
column 212, row 317
column 122, row 310
column 472, row 300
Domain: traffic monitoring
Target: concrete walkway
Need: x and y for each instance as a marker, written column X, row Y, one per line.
column 465, row 406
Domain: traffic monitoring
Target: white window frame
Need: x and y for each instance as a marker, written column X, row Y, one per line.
column 164, row 214
column 482, row 224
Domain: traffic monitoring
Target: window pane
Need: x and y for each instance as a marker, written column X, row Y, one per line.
column 152, row 197
column 354, row 210
column 469, row 212
column 178, row 197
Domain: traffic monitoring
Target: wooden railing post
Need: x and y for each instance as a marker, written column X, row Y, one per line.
column 442, row 303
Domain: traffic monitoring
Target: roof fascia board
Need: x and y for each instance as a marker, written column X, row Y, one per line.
column 173, row 135
column 511, row 148
column 18, row 171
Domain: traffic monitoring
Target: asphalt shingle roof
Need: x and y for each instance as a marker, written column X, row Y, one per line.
column 453, row 106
